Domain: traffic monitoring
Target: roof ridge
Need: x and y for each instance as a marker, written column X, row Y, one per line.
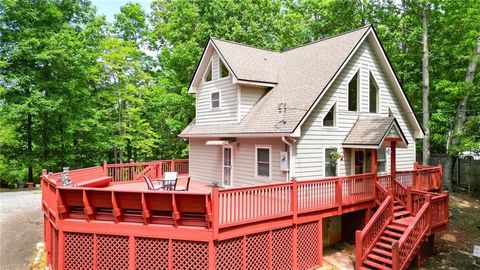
column 329, row 37
column 299, row 46
column 243, row 44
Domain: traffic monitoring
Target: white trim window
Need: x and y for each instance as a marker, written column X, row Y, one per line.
column 215, row 100
column 354, row 93
column 330, row 119
column 382, row 160
column 330, row 163
column 373, row 95
column 222, row 69
column 263, row 161
column 209, row 73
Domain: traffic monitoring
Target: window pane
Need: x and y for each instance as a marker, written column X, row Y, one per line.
column 263, row 169
column 215, row 99
column 330, row 164
column 208, row 77
column 381, row 160
column 223, row 70
column 329, row 120
column 373, row 95
column 352, row 94
column 263, row 155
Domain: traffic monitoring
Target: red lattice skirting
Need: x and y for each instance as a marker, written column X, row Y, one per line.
column 294, row 247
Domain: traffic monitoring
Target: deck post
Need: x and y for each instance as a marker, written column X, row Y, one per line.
column 393, row 161
column 215, row 211
column 428, row 199
column 105, row 169
column 374, row 165
column 61, row 250
column 409, row 199
column 211, row 255
column 320, row 241
column 358, row 249
column 338, row 194
column 415, row 175
column 172, row 165
column 395, row 257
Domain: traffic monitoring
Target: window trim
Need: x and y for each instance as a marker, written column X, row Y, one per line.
column 357, row 72
column 262, row 146
column 210, row 65
column 219, row 100
column 325, row 161
column 377, row 106
column 220, row 63
column 334, row 106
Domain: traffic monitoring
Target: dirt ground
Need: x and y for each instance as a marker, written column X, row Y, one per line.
column 454, row 247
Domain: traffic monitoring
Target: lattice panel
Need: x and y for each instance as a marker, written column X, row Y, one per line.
column 229, row 254
column 112, row 252
column 190, row 255
column 307, row 245
column 151, row 253
column 78, row 251
column 257, row 251
column 282, row 249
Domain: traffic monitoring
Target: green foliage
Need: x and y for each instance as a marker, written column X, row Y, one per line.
column 76, row 90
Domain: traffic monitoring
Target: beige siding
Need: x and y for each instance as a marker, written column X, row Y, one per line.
column 206, row 161
column 228, row 111
column 309, row 156
column 249, row 96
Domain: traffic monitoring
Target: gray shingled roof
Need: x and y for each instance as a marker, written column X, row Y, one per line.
column 301, row 75
column 371, row 131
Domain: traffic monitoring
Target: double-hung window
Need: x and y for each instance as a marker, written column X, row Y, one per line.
column 330, row 163
column 263, row 161
column 381, row 160
column 215, row 100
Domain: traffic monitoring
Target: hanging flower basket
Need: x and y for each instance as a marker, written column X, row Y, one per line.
column 335, row 155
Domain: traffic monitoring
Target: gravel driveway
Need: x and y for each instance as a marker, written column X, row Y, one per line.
column 21, row 227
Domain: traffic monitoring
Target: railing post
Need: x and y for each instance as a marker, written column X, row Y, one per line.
column 215, row 211
column 428, row 216
column 446, row 209
column 172, row 165
column 392, row 202
column 395, row 256
column 358, row 250
column 105, row 168
column 338, row 194
column 294, row 200
column 409, row 199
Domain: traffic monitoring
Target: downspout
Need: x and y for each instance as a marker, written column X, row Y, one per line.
column 291, row 172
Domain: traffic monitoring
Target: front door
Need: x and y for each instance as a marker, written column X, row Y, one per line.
column 227, row 166
column 359, row 161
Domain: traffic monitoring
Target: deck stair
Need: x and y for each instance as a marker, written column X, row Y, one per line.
column 395, row 233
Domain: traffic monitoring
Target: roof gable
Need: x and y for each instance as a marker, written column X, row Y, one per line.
column 301, row 76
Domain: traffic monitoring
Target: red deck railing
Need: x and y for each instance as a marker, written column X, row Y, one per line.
column 243, row 221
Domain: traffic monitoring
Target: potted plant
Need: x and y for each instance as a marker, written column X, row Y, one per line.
column 334, row 156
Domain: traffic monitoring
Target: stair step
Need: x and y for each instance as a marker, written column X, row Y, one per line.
column 388, row 239
column 379, row 259
column 400, row 227
column 396, row 202
column 401, row 214
column 376, row 265
column 365, row 268
column 382, row 252
column 395, row 234
column 397, row 207
column 404, row 221
column 383, row 245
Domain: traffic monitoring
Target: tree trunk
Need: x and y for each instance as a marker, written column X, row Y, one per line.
column 120, row 129
column 460, row 118
column 426, row 87
column 29, row 147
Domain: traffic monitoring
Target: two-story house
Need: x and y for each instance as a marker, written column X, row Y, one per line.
column 313, row 111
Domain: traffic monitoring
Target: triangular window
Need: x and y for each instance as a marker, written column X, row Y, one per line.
column 329, row 119
column 353, row 94
column 223, row 70
column 373, row 95
column 208, row 75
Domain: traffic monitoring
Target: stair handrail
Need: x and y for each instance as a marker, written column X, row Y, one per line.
column 406, row 247
column 381, row 193
column 366, row 238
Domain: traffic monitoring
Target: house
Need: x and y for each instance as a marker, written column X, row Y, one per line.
column 264, row 118
column 322, row 109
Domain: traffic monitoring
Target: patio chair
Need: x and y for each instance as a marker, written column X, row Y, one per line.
column 151, row 185
column 183, row 188
column 170, row 180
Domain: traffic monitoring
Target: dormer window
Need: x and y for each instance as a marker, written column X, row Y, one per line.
column 353, row 94
column 215, row 100
column 373, row 95
column 223, row 69
column 329, row 119
column 208, row 75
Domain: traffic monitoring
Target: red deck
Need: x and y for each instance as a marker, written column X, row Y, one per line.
column 278, row 226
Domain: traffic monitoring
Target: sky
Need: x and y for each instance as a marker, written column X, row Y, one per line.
column 111, row 7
